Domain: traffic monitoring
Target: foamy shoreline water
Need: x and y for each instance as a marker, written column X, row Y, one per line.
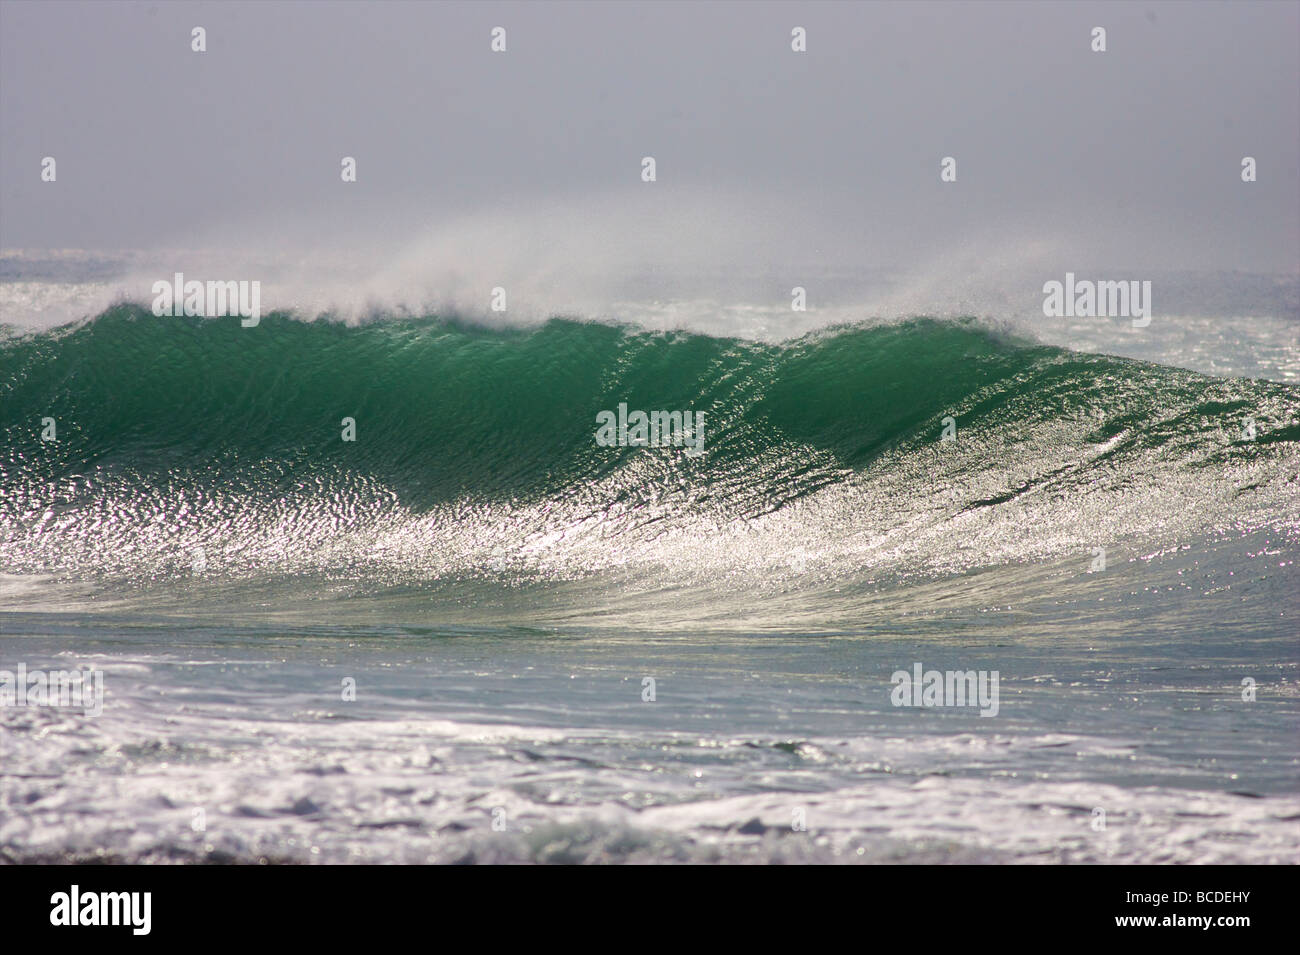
column 188, row 766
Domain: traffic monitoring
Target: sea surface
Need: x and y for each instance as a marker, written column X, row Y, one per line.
column 475, row 634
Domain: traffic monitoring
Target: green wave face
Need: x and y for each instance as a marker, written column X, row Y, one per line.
column 475, row 449
column 446, row 410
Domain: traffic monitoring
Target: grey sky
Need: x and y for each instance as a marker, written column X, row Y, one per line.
column 1131, row 157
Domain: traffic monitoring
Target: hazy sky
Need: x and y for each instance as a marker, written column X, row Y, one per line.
column 1130, row 157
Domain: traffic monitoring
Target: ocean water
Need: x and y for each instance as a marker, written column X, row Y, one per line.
column 474, row 634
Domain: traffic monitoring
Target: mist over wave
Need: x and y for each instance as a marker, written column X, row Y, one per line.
column 598, row 264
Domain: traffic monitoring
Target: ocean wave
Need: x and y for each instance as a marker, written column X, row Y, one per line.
column 187, row 446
